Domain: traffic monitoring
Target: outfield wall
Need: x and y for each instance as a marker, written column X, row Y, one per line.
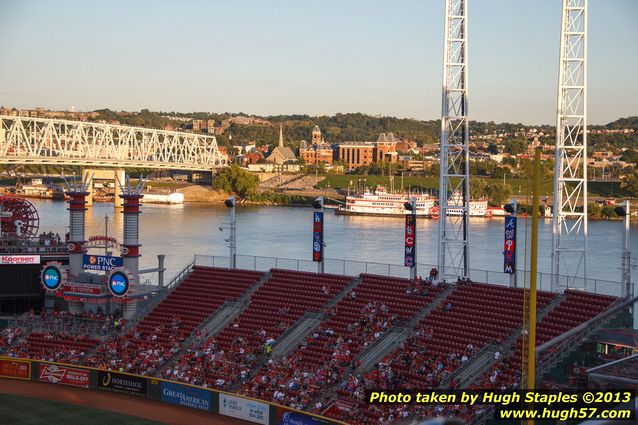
column 171, row 392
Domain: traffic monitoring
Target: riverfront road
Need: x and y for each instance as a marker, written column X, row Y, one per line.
column 127, row 405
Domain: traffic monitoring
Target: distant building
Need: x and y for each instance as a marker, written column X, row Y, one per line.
column 204, row 125
column 386, row 148
column 358, row 154
column 316, row 135
column 281, row 154
column 238, row 121
column 318, row 152
column 252, row 158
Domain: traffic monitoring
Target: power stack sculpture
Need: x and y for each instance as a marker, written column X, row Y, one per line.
column 120, row 281
column 131, row 197
column 77, row 193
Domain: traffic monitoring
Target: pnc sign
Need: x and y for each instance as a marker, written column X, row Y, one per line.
column 53, row 276
column 119, row 282
column 101, row 262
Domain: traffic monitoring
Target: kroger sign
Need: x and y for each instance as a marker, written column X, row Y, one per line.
column 101, row 262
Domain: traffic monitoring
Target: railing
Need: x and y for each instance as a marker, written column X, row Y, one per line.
column 96, row 328
column 397, row 331
column 468, row 363
column 353, row 268
column 33, row 248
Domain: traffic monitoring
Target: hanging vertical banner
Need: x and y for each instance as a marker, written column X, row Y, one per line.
column 317, row 236
column 410, row 240
column 510, row 245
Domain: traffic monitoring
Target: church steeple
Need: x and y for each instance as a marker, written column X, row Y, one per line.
column 281, row 136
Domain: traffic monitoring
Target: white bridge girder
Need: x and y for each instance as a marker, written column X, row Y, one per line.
column 25, row 140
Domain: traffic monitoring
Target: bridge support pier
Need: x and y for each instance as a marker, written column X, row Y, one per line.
column 117, row 176
column 120, row 177
column 86, row 176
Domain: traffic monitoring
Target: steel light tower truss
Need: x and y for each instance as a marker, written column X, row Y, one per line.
column 454, row 183
column 25, row 140
column 569, row 223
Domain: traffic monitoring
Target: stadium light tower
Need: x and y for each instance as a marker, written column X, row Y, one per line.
column 569, row 221
column 454, row 181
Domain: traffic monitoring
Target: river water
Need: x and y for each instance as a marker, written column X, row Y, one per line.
column 181, row 231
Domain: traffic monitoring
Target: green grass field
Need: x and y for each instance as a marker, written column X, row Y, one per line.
column 522, row 186
column 15, row 410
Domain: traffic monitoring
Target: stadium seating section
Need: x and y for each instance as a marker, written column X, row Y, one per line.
column 160, row 335
column 376, row 304
column 446, row 331
column 273, row 308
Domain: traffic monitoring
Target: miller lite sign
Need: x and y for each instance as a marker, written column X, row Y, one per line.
column 410, row 240
column 509, row 252
column 317, row 236
column 101, row 262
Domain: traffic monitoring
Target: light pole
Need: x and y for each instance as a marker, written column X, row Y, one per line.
column 510, row 242
column 317, row 233
column 624, row 211
column 410, row 237
column 230, row 203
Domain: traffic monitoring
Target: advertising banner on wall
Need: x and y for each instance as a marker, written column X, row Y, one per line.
column 101, row 262
column 509, row 253
column 83, row 288
column 17, row 369
column 410, row 239
column 19, row 259
column 64, row 375
column 290, row 417
column 122, row 383
column 243, row 408
column 183, row 395
column 317, row 236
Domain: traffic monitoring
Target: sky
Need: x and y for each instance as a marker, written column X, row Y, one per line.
column 381, row 57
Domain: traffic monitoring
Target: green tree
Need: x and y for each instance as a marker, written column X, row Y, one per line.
column 498, row 193
column 630, row 184
column 608, row 212
column 237, row 180
column 593, row 209
column 515, row 146
column 630, row 156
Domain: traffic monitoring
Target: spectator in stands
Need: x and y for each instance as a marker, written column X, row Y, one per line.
column 448, row 306
column 434, row 274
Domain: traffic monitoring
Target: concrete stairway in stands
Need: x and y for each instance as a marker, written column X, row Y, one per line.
column 296, row 334
column 382, row 346
column 436, row 302
column 397, row 334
